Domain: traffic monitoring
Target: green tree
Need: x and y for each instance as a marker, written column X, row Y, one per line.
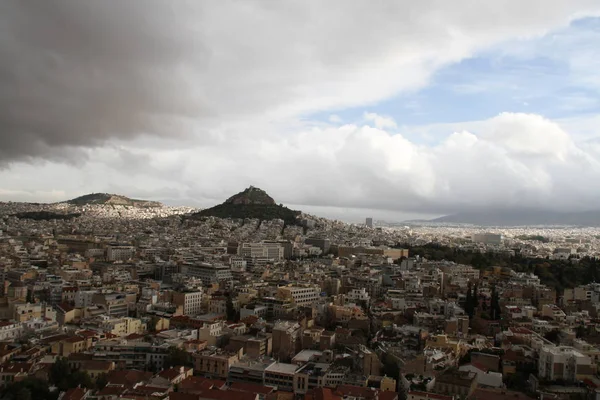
column 28, row 388
column 552, row 336
column 59, row 374
column 391, row 369
column 101, row 381
column 177, row 357
column 23, row 394
column 231, row 314
column 495, row 304
column 80, row 378
column 30, row 296
column 62, row 376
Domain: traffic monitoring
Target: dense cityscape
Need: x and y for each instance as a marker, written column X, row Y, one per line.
column 106, row 298
column 299, row 199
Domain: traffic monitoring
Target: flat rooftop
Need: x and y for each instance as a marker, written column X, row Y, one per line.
column 282, row 368
column 306, row 355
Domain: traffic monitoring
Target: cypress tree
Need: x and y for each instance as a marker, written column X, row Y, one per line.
column 475, row 297
column 469, row 301
column 495, row 304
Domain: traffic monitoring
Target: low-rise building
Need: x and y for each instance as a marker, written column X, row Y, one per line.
column 215, row 363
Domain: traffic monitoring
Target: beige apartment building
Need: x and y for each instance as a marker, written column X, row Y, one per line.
column 253, row 346
column 215, row 363
column 564, row 362
column 286, row 339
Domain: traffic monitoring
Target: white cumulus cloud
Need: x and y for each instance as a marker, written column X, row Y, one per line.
column 486, row 165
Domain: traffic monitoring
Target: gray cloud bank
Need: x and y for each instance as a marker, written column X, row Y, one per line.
column 80, row 73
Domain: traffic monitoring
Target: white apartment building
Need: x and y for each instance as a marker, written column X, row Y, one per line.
column 281, row 376
column 99, row 253
column 525, row 279
column 564, row 362
column 466, row 272
column 119, row 253
column 208, row 273
column 485, row 379
column 211, row 332
column 238, row 264
column 190, row 302
column 10, row 330
column 83, row 298
column 299, row 295
column 587, row 349
column 251, row 309
column 271, row 251
column 357, row 296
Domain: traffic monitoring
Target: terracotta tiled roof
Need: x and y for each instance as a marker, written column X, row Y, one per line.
column 251, row 388
column 16, row 367
column 112, row 391
column 96, row 365
column 321, row 394
column 430, row 395
column 494, row 394
column 74, row 394
column 65, row 307
column 198, row 383
column 171, row 373
column 366, row 393
column 127, row 377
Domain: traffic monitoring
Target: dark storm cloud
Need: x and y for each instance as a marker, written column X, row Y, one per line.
column 77, row 73
column 83, row 72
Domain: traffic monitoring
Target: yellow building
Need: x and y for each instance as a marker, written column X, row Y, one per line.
column 70, row 345
column 346, row 313
column 124, row 326
column 26, row 311
column 247, row 296
column 96, row 368
column 384, row 383
column 442, row 342
column 159, row 324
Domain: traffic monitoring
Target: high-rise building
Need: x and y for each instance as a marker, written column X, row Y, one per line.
column 369, row 222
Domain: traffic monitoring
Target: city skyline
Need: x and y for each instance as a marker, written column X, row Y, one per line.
column 417, row 110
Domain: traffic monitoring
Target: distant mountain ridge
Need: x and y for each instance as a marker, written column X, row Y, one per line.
column 111, row 199
column 522, row 218
column 251, row 203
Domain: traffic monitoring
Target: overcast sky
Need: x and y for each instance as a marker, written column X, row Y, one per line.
column 342, row 108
